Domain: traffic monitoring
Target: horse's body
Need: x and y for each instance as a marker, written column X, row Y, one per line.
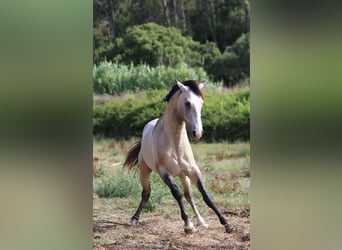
column 165, row 149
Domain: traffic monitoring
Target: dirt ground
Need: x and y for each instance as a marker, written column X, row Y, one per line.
column 163, row 229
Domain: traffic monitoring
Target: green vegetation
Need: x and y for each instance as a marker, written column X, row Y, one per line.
column 116, row 185
column 233, row 65
column 195, row 33
column 155, row 45
column 225, row 115
column 225, row 168
column 140, row 49
column 116, row 79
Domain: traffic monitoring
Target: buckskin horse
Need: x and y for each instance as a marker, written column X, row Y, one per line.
column 165, row 149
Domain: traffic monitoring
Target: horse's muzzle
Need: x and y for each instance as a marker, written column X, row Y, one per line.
column 197, row 134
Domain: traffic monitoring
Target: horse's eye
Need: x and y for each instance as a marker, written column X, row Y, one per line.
column 187, row 104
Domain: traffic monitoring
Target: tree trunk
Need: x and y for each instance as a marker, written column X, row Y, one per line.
column 166, row 13
column 175, row 13
column 110, row 17
column 247, row 19
column 112, row 22
column 183, row 15
column 212, row 25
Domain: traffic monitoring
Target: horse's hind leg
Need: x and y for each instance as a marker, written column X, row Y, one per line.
column 145, row 194
column 177, row 194
column 188, row 195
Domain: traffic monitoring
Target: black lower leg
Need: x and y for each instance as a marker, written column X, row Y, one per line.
column 145, row 195
column 210, row 201
column 177, row 194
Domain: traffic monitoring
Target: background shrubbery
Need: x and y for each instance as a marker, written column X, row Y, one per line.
column 142, row 47
column 115, row 79
column 155, row 45
column 158, row 46
column 232, row 66
column 225, row 115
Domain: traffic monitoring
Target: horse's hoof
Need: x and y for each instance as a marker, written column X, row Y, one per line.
column 228, row 229
column 189, row 230
column 205, row 225
column 133, row 222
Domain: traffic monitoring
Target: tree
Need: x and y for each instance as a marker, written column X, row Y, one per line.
column 232, row 66
column 157, row 45
column 218, row 21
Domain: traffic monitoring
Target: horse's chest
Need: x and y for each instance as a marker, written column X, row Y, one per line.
column 176, row 163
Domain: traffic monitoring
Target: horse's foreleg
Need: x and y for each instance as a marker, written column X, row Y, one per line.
column 145, row 194
column 177, row 194
column 188, row 195
column 210, row 201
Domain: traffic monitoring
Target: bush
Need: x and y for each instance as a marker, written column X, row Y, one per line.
column 225, row 116
column 126, row 118
column 113, row 78
column 119, row 184
column 232, row 66
column 155, row 45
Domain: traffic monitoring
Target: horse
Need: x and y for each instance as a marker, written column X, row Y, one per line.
column 165, row 149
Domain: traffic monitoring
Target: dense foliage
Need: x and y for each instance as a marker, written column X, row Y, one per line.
column 142, row 47
column 193, row 32
column 116, row 79
column 158, row 45
column 225, row 116
column 217, row 21
column 233, row 65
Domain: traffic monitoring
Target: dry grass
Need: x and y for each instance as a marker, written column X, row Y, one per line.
column 225, row 168
column 163, row 230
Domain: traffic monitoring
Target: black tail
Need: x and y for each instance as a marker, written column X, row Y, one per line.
column 132, row 156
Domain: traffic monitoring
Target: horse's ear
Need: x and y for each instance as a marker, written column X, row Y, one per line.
column 182, row 86
column 201, row 85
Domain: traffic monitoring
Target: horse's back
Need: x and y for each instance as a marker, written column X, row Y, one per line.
column 147, row 150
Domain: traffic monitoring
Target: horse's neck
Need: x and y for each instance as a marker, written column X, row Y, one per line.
column 173, row 129
column 173, row 126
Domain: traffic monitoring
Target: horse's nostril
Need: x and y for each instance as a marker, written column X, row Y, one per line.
column 196, row 134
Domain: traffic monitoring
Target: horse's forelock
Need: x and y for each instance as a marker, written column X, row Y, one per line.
column 193, row 85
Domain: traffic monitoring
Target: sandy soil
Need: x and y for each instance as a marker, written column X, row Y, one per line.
column 164, row 230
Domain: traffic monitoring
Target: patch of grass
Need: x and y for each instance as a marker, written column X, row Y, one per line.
column 225, row 169
column 117, row 184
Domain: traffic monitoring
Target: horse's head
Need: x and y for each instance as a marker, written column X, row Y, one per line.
column 190, row 103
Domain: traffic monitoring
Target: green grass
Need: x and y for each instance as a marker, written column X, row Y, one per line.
column 120, row 184
column 225, row 169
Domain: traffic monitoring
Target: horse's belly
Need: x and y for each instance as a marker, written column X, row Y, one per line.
column 147, row 148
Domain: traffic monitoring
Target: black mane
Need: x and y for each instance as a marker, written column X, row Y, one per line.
column 193, row 85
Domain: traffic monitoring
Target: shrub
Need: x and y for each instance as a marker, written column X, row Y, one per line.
column 155, row 45
column 233, row 65
column 225, row 116
column 115, row 79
